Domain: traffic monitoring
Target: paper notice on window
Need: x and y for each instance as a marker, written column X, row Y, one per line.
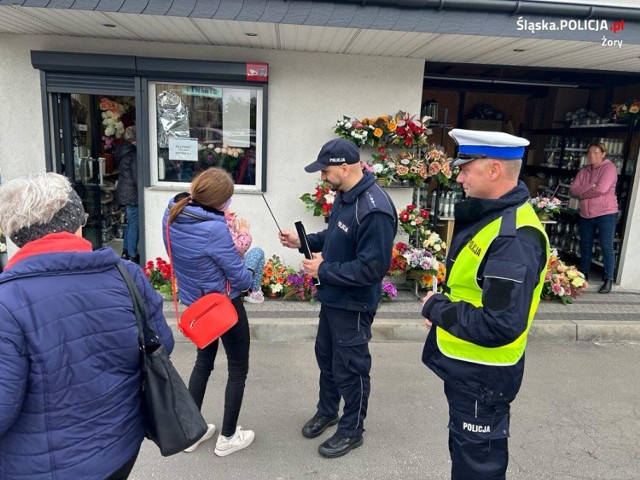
column 185, row 149
column 236, row 105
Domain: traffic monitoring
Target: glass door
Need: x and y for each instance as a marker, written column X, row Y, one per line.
column 84, row 140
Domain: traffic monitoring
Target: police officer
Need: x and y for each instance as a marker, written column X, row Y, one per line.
column 356, row 253
column 478, row 327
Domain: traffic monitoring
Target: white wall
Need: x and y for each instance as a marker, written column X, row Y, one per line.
column 308, row 92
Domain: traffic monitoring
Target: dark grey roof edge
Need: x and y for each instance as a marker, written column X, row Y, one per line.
column 248, row 8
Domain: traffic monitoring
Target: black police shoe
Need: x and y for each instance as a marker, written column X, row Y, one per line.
column 339, row 445
column 317, row 425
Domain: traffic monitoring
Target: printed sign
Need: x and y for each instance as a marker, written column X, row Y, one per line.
column 185, row 149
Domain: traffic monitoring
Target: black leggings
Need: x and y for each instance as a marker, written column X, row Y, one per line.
column 236, row 346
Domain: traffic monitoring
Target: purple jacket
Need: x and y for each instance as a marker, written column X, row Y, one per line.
column 601, row 199
column 70, row 402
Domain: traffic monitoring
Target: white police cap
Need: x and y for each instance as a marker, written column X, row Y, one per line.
column 473, row 144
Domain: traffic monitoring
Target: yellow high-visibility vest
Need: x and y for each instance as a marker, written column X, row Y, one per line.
column 463, row 286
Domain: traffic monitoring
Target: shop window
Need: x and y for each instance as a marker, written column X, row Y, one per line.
column 198, row 126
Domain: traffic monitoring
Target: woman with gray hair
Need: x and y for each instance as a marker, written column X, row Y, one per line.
column 69, row 357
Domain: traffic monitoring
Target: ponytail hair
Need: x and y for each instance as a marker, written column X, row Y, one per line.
column 177, row 208
column 211, row 188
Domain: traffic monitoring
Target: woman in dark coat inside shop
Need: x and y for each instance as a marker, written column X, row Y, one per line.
column 127, row 192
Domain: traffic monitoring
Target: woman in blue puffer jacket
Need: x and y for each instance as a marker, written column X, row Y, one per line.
column 204, row 257
column 70, row 384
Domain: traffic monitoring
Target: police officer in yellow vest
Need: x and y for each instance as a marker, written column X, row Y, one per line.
column 478, row 326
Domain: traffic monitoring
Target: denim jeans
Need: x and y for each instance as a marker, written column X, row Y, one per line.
column 606, row 225
column 236, row 346
column 254, row 260
column 130, row 243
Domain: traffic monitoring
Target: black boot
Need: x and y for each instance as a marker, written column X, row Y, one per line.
column 606, row 286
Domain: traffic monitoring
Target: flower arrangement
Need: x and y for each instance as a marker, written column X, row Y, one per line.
column 545, row 205
column 400, row 129
column 432, row 242
column 413, row 219
column 368, row 131
column 438, row 165
column 401, row 167
column 420, row 259
column 159, row 275
column 389, row 291
column 398, row 262
column 111, row 113
column 320, row 202
column 219, row 156
column 274, row 276
column 410, row 132
column 562, row 281
column 300, row 285
column 628, row 111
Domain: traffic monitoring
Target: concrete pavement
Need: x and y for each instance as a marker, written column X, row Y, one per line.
column 576, row 417
column 593, row 316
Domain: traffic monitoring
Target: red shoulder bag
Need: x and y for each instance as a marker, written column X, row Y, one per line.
column 206, row 319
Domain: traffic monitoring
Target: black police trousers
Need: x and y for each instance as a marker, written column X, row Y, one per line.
column 342, row 353
column 478, row 437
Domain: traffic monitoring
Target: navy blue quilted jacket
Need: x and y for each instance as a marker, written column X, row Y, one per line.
column 356, row 247
column 69, row 364
column 203, row 254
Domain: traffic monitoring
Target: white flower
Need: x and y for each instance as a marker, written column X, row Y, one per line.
column 3, row 247
column 217, row 150
column 276, row 287
column 210, row 145
column 348, row 125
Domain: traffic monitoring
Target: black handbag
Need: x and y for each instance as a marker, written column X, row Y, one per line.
column 172, row 419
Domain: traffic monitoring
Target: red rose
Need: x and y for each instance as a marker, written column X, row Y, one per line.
column 404, row 216
column 411, row 208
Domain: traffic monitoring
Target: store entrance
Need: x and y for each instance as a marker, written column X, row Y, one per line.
column 87, row 148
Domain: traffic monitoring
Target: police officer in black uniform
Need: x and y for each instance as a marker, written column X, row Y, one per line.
column 478, row 326
column 355, row 255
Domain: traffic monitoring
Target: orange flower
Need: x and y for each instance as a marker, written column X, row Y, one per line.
column 377, row 132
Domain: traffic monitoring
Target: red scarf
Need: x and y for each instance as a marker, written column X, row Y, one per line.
column 51, row 243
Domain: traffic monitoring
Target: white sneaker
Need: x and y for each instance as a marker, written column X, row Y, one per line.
column 241, row 439
column 207, row 435
column 254, row 297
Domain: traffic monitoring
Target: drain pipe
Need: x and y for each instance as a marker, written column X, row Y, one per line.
column 519, row 7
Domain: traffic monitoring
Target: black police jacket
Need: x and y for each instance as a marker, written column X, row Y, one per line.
column 356, row 247
column 504, row 314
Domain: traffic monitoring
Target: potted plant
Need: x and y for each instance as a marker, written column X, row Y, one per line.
column 545, row 207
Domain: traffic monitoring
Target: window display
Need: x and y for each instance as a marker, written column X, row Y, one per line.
column 202, row 126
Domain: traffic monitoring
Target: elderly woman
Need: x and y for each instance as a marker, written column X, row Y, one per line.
column 595, row 186
column 69, row 358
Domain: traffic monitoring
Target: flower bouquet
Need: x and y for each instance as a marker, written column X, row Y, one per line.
column 300, row 286
column 438, row 165
column 562, row 281
column 628, row 111
column 368, row 131
column 320, row 202
column 219, row 156
column 389, row 291
column 413, row 219
column 275, row 276
column 159, row 275
column 421, row 263
column 398, row 262
column 545, row 206
column 432, row 242
column 410, row 132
